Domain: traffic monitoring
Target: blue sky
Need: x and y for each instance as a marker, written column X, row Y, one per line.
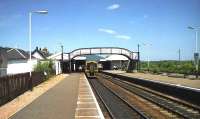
column 91, row 23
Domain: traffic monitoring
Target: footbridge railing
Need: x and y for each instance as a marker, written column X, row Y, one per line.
column 103, row 50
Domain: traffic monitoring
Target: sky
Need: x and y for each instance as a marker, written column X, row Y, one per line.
column 159, row 26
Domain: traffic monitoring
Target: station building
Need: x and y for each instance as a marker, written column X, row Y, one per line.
column 110, row 62
column 117, row 58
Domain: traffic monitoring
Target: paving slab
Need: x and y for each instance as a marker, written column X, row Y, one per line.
column 59, row 102
column 87, row 105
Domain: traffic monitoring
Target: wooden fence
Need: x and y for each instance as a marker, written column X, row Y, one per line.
column 14, row 85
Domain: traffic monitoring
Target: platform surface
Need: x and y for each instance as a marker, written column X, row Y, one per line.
column 165, row 79
column 87, row 105
column 59, row 102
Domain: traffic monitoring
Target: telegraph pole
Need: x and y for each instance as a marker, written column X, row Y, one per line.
column 179, row 55
column 148, row 48
column 138, row 57
column 196, row 53
column 61, row 63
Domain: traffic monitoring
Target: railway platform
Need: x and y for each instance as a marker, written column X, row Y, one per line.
column 71, row 98
column 87, row 105
column 180, row 82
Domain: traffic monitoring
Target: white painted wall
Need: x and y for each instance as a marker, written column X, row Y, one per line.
column 57, row 67
column 20, row 66
column 37, row 55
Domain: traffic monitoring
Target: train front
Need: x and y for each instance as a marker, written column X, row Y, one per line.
column 91, row 69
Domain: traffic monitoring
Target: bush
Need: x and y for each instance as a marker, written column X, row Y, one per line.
column 171, row 66
column 46, row 67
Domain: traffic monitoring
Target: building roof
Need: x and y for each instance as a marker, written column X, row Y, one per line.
column 14, row 53
column 44, row 55
column 57, row 56
column 93, row 57
column 80, row 58
column 116, row 57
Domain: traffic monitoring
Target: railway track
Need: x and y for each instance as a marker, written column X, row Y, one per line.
column 176, row 107
column 117, row 107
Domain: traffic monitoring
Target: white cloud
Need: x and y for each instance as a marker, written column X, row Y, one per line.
column 114, row 34
column 123, row 37
column 109, row 31
column 113, row 7
column 145, row 16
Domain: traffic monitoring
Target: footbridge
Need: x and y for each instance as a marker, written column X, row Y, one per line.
column 132, row 56
column 103, row 50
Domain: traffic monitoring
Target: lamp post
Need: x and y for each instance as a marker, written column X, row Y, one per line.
column 62, row 53
column 62, row 58
column 148, row 61
column 30, row 31
column 196, row 54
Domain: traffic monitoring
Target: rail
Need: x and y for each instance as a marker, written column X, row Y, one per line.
column 113, row 102
column 187, row 94
column 177, row 107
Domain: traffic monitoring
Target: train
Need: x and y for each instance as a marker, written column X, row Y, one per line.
column 92, row 68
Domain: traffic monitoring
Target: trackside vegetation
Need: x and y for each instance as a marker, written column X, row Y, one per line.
column 169, row 66
column 46, row 67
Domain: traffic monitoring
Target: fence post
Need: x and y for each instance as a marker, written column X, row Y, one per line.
column 31, row 82
column 8, row 87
